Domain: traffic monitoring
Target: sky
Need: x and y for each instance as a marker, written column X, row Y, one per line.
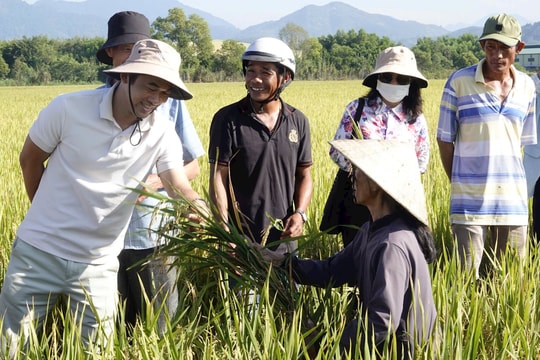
column 461, row 13
column 244, row 13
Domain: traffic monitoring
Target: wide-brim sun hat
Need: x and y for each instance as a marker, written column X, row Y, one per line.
column 393, row 165
column 125, row 27
column 503, row 28
column 156, row 58
column 398, row 60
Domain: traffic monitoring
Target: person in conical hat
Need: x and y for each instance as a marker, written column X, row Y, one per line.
column 388, row 259
column 388, row 164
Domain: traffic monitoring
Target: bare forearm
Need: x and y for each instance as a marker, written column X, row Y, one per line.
column 446, row 151
column 31, row 160
column 218, row 192
column 32, row 177
column 219, row 200
column 192, row 169
column 177, row 185
column 303, row 188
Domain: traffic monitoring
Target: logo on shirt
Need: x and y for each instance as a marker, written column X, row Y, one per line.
column 293, row 136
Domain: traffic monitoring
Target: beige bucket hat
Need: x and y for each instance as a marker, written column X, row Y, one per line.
column 393, row 165
column 398, row 60
column 159, row 59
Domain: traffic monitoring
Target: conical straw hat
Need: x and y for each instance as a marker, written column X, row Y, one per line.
column 393, row 165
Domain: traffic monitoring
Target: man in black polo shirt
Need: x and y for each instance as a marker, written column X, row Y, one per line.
column 260, row 148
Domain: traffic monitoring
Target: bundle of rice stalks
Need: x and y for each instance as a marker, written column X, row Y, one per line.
column 210, row 246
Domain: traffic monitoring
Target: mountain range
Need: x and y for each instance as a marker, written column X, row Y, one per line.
column 67, row 19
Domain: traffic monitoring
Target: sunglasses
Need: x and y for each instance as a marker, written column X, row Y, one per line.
column 400, row 79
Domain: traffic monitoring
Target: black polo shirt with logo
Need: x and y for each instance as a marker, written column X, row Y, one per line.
column 262, row 164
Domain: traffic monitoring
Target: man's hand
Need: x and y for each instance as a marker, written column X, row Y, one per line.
column 198, row 211
column 294, row 226
column 152, row 183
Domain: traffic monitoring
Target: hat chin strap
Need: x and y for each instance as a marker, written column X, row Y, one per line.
column 138, row 120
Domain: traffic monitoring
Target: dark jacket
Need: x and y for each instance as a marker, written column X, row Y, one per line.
column 385, row 263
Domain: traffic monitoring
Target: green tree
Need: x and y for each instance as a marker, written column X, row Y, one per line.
column 81, row 49
column 173, row 29
column 430, row 58
column 352, row 53
column 309, row 65
column 201, row 39
column 22, row 73
column 4, row 68
column 344, row 55
column 437, row 58
column 35, row 53
column 191, row 37
column 68, row 69
column 294, row 36
column 468, row 51
column 227, row 60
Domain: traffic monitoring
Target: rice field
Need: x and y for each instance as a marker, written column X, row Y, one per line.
column 496, row 318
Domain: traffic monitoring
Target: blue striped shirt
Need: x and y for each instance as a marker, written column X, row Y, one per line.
column 488, row 179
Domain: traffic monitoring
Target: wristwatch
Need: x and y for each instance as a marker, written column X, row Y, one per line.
column 302, row 214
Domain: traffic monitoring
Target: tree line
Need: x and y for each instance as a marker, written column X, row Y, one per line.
column 345, row 55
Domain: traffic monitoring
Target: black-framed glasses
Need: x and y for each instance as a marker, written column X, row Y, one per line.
column 400, row 79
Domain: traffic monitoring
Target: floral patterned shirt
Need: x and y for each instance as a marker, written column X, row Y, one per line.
column 378, row 121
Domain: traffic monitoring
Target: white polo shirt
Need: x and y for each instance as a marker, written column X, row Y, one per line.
column 82, row 207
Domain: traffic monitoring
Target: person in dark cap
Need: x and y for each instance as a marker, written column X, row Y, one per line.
column 486, row 116
column 98, row 145
column 125, row 28
column 156, row 277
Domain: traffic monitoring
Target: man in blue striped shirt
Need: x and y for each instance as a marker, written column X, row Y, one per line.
column 486, row 116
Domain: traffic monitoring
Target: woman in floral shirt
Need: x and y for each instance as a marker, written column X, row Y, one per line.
column 392, row 110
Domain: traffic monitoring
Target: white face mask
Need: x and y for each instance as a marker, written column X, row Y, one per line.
column 392, row 93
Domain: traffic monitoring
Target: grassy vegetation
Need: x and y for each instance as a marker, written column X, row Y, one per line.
column 497, row 318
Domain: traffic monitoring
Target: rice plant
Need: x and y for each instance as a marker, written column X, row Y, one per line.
column 495, row 318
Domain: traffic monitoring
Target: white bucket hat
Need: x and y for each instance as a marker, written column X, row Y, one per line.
column 398, row 60
column 393, row 165
column 159, row 59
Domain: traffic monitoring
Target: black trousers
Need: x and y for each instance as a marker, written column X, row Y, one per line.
column 131, row 273
column 536, row 211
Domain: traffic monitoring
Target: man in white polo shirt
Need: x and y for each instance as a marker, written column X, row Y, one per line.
column 98, row 144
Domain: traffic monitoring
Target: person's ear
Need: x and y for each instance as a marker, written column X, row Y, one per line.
column 482, row 43
column 287, row 77
column 520, row 45
column 109, row 51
